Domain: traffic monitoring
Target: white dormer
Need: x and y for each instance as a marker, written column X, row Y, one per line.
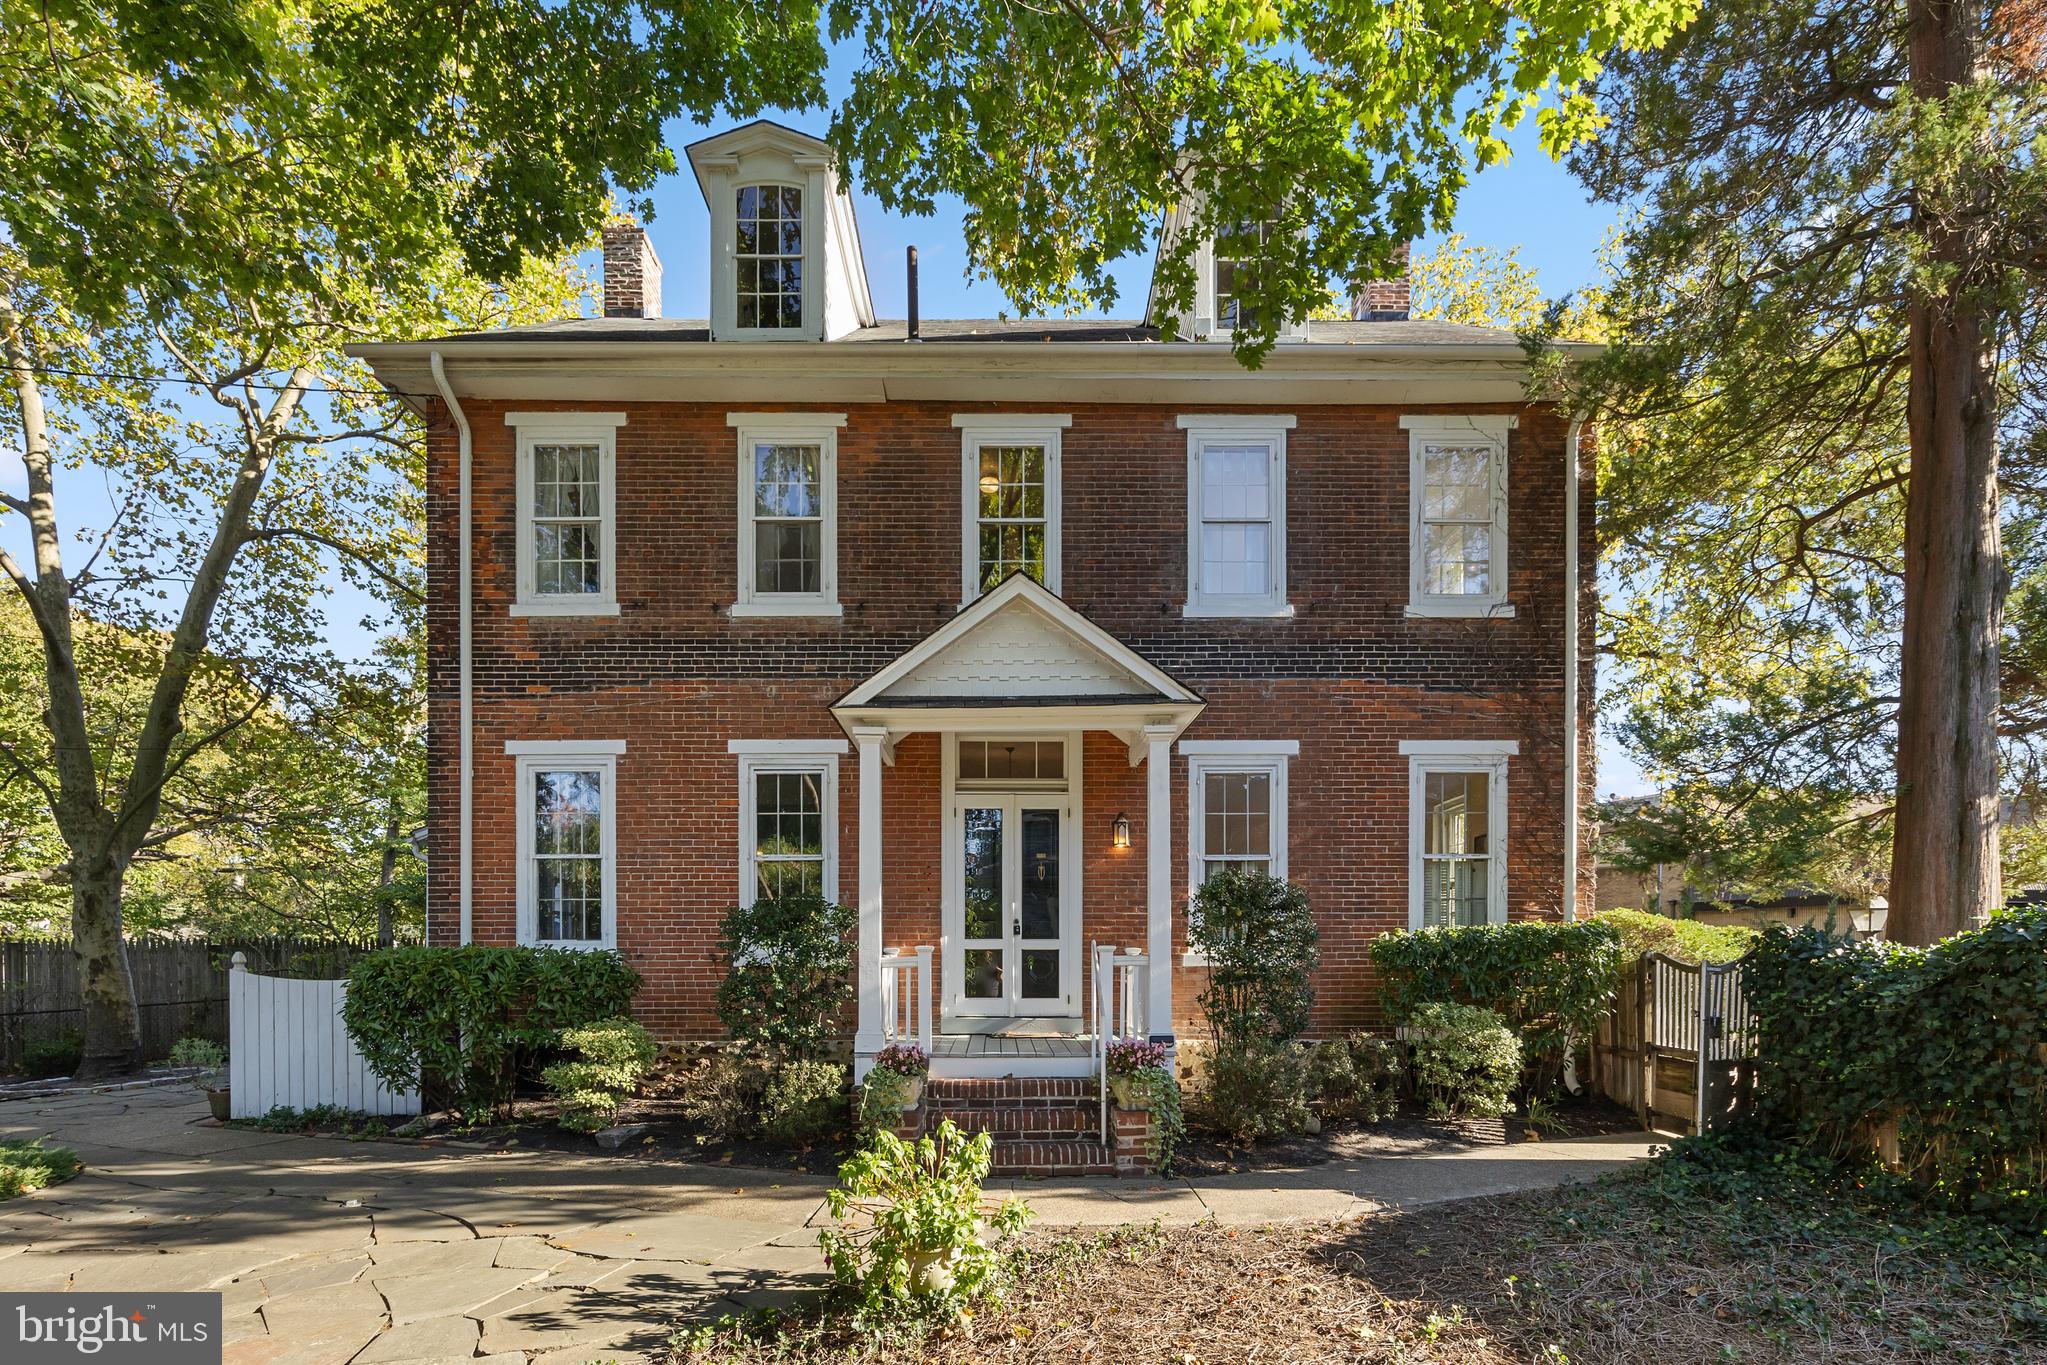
column 1219, row 280
column 785, row 251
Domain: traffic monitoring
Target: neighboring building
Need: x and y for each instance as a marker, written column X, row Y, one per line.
column 1006, row 632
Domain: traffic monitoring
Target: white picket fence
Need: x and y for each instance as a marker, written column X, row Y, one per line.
column 287, row 1046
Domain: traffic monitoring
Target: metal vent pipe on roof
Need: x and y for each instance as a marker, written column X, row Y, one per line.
column 910, row 267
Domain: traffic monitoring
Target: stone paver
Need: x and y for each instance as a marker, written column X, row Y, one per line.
column 328, row 1252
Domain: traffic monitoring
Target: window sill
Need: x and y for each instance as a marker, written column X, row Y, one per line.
column 1190, row 958
column 1204, row 611
column 546, row 608
column 1480, row 609
column 572, row 945
column 785, row 609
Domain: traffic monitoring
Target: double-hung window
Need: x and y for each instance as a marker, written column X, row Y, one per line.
column 1236, row 515
column 1010, row 498
column 1457, row 831
column 567, row 842
column 788, row 513
column 1236, row 807
column 788, row 817
column 567, row 523
column 1457, row 515
column 1236, row 274
column 768, row 251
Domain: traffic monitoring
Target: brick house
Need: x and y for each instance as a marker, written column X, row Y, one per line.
column 1005, row 632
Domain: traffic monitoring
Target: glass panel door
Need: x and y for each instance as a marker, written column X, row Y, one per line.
column 1013, row 915
column 983, row 905
column 1037, row 921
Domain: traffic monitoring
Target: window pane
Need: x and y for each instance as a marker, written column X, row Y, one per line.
column 1237, row 814
column 1040, row 979
column 1454, row 814
column 1040, row 893
column 1457, row 483
column 1455, row 890
column 1236, row 559
column 1234, row 482
column 568, row 812
column 983, row 974
column 982, row 852
column 789, row 877
column 785, row 481
column 788, row 556
column 1457, row 559
column 1007, row 548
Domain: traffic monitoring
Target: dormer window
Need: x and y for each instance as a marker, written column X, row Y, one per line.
column 1236, row 275
column 768, row 247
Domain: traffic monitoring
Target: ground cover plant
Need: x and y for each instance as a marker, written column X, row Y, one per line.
column 1711, row 1254
column 26, row 1166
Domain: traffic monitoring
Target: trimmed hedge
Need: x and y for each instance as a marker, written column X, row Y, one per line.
column 789, row 972
column 1947, row 1043
column 460, row 1022
column 1684, row 939
column 1550, row 982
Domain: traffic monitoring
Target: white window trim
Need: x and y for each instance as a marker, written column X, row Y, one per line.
column 1208, row 320
column 806, row 428
column 1237, row 429
column 978, row 429
column 1458, row 756
column 1439, row 427
column 533, row 756
column 1269, row 756
column 595, row 428
column 758, row 756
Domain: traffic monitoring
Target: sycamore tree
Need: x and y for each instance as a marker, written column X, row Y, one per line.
column 1826, row 391
column 203, row 202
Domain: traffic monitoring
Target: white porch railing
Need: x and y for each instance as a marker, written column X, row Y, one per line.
column 906, row 996
column 1120, row 982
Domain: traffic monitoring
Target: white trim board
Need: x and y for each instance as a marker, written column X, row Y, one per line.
column 1461, row 747
column 1451, row 756
column 564, row 748
column 817, row 757
column 602, row 757
column 794, row 747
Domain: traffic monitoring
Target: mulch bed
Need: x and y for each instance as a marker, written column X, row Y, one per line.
column 1630, row 1271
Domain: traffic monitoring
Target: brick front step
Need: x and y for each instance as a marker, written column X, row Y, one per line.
column 1022, row 1119
column 1034, row 1157
column 960, row 1092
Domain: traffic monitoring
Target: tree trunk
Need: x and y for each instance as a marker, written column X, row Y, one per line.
column 113, row 1038
column 1944, row 863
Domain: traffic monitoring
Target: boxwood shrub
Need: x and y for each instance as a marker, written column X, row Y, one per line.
column 1551, row 982
column 461, row 1022
column 1945, row 1046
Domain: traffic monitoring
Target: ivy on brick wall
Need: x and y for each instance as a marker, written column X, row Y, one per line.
column 1551, row 982
column 460, row 1022
column 1947, row 1046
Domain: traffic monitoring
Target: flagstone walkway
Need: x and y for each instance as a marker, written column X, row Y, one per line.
column 329, row 1252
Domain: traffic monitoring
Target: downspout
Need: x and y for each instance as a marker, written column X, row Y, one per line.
column 1571, row 592
column 466, row 724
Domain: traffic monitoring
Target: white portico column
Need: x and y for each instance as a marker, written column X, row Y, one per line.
column 867, row 1041
column 1158, row 880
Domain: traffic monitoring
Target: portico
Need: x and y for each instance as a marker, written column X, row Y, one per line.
column 1011, row 686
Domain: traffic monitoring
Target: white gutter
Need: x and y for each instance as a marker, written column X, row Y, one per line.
column 1571, row 592
column 466, row 724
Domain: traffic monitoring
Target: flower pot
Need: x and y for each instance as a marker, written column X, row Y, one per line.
column 1128, row 1094
column 909, row 1090
column 932, row 1272
column 217, row 1100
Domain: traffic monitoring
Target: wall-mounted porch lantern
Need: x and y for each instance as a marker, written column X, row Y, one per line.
column 1120, row 838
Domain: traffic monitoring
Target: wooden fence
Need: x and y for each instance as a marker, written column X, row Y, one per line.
column 180, row 987
column 288, row 1047
column 1679, row 1047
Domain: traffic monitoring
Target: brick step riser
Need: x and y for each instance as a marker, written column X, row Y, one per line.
column 1068, row 1157
column 1062, row 1123
column 1009, row 1090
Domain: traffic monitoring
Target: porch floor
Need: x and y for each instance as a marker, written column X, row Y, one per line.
column 947, row 1045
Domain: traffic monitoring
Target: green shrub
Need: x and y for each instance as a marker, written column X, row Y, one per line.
column 460, row 1022
column 1466, row 1059
column 789, row 972
column 1552, row 982
column 1945, row 1043
column 352, row 1124
column 47, row 1057
column 878, row 1105
column 203, row 1053
column 1357, row 1077
column 1684, row 939
column 1260, row 941
column 721, row 1094
column 615, row 1056
column 916, row 1246
column 26, row 1166
column 1257, row 1089
column 803, row 1102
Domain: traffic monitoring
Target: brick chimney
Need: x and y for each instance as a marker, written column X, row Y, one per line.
column 1383, row 300
column 632, row 272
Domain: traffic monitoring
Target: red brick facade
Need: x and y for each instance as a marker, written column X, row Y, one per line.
column 1348, row 677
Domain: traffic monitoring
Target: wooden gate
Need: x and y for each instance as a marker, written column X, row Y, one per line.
column 287, row 1048
column 1679, row 1047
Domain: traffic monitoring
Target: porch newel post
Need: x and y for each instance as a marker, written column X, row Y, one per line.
column 1158, row 838
column 867, row 1040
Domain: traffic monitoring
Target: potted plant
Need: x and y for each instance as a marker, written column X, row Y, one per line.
column 1130, row 1063
column 902, row 1067
column 209, row 1060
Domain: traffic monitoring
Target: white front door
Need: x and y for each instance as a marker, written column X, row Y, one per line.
column 1014, row 916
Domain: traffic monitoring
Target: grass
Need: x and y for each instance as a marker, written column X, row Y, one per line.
column 1698, row 1257
column 26, row 1166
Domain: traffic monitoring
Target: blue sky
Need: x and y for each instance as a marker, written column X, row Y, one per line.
column 1530, row 202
